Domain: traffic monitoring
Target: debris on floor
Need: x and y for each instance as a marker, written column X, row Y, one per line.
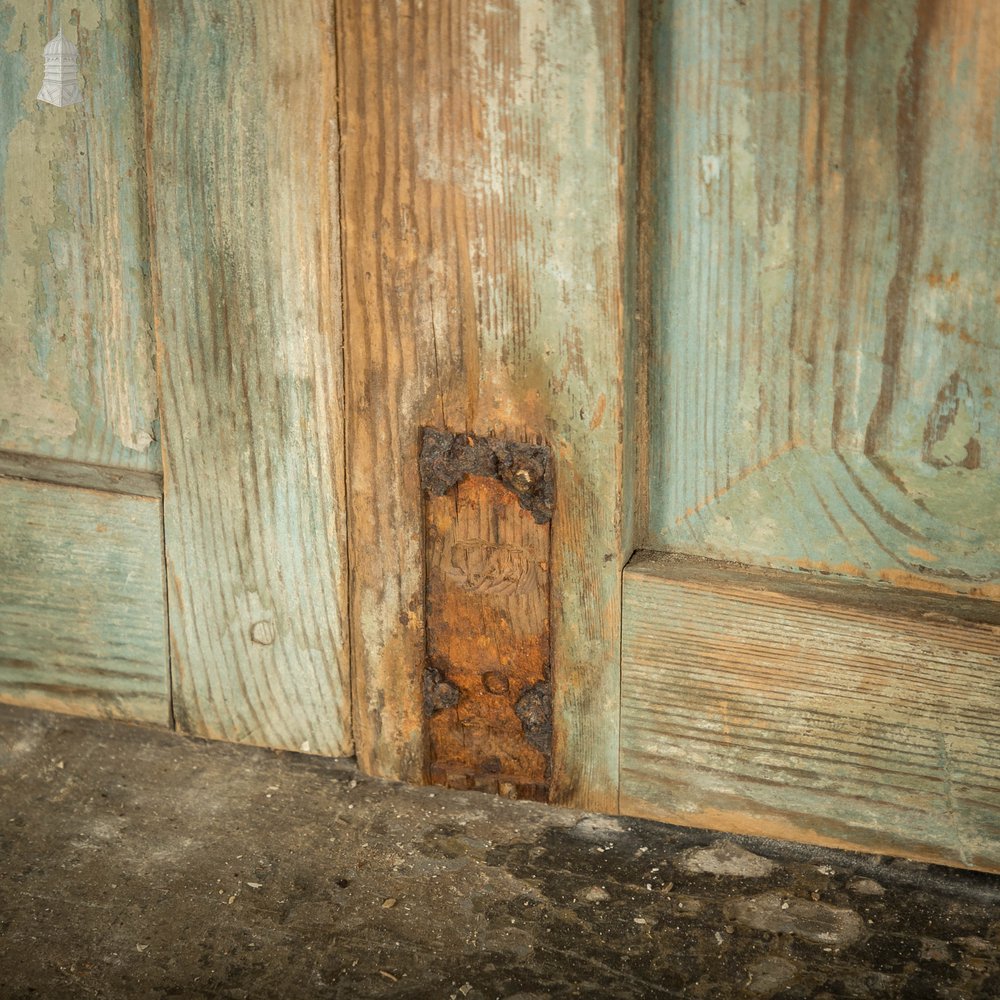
column 136, row 863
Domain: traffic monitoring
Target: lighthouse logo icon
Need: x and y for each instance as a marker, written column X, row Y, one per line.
column 60, row 86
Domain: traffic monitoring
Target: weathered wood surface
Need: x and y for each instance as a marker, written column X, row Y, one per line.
column 82, row 615
column 77, row 379
column 93, row 477
column 832, row 712
column 826, row 270
column 486, row 684
column 485, row 192
column 241, row 114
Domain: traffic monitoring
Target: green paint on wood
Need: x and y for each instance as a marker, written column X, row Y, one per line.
column 78, row 377
column 832, row 711
column 241, row 106
column 82, row 616
column 826, row 275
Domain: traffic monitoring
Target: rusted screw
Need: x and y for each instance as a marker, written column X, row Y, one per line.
column 495, row 682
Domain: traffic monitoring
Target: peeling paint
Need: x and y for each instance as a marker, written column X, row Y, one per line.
column 824, row 288
column 78, row 380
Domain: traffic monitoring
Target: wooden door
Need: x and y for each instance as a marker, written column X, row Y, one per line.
column 824, row 276
column 455, row 306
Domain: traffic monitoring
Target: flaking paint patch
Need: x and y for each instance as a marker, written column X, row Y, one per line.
column 743, row 164
column 953, row 447
column 777, row 270
column 953, row 494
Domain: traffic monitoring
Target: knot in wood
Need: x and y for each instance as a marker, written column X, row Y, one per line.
column 263, row 633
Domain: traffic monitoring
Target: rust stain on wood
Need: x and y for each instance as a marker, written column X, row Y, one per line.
column 486, row 684
column 525, row 469
column 480, row 296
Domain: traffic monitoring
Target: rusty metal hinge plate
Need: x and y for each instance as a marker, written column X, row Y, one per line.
column 487, row 689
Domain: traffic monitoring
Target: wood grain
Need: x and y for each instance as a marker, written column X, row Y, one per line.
column 92, row 477
column 82, row 614
column 486, row 234
column 830, row 712
column 825, row 274
column 77, row 380
column 242, row 136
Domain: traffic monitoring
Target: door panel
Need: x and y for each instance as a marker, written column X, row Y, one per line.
column 825, row 350
column 811, row 709
column 77, row 380
column 82, row 616
column 825, row 279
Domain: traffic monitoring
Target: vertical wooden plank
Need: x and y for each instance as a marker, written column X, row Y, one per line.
column 82, row 615
column 77, row 380
column 242, row 137
column 485, row 185
column 825, row 273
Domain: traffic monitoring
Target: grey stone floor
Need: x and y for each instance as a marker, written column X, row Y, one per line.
column 136, row 863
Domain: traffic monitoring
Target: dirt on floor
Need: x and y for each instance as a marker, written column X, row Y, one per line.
column 137, row 863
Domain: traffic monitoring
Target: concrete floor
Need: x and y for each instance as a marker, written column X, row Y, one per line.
column 135, row 863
